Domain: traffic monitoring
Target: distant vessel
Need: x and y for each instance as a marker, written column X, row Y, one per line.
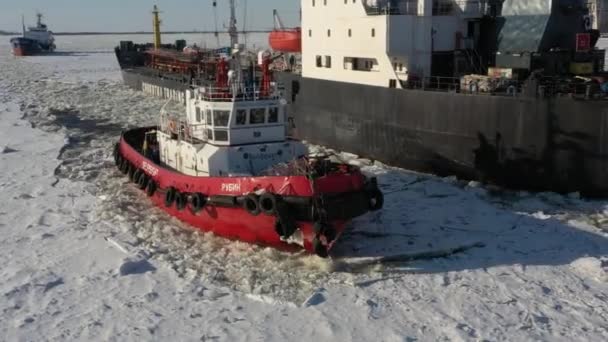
column 35, row 39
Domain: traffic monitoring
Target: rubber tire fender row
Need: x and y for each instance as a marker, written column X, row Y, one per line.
column 251, row 204
column 170, row 196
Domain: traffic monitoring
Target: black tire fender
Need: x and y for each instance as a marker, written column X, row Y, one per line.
column 197, row 202
column 251, row 204
column 170, row 196
column 268, row 203
column 124, row 166
column 142, row 181
column 118, row 160
column 376, row 199
column 180, row 200
column 319, row 248
column 151, row 188
column 135, row 175
column 130, row 171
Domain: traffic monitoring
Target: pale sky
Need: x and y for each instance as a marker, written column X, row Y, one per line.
column 134, row 15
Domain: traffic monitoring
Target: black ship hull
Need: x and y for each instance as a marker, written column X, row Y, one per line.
column 557, row 144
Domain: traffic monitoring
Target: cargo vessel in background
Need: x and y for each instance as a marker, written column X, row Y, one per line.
column 503, row 91
column 227, row 166
column 35, row 39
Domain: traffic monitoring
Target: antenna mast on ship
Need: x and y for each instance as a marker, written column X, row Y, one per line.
column 39, row 22
column 232, row 30
column 23, row 24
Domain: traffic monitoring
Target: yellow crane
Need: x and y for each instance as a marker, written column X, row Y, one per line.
column 156, row 26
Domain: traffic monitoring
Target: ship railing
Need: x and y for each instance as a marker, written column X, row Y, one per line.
column 440, row 7
column 391, row 7
column 463, row 7
column 584, row 88
column 240, row 92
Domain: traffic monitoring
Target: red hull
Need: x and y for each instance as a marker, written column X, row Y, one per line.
column 18, row 51
column 286, row 40
column 235, row 222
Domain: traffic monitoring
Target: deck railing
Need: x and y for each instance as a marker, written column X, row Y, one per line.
column 440, row 7
column 542, row 87
column 240, row 92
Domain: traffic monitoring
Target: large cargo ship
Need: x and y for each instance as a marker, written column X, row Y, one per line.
column 508, row 92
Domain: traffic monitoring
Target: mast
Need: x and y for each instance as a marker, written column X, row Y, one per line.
column 232, row 30
column 156, row 27
column 39, row 21
column 23, row 24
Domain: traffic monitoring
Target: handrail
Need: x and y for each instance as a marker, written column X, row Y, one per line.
column 239, row 92
column 543, row 86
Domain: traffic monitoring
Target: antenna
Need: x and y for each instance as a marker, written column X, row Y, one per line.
column 217, row 35
column 23, row 24
column 232, row 30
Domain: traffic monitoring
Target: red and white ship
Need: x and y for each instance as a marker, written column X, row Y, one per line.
column 228, row 166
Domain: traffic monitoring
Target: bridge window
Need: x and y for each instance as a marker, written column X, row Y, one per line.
column 328, row 61
column 319, row 62
column 221, row 135
column 350, row 32
column 221, row 118
column 373, row 32
column 241, row 116
column 273, row 114
column 310, row 33
column 325, row 2
column 329, row 33
column 313, row 3
column 208, row 134
column 257, row 116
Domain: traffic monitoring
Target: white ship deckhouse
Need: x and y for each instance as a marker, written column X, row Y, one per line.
column 384, row 42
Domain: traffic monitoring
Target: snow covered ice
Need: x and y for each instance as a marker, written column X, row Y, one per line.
column 84, row 256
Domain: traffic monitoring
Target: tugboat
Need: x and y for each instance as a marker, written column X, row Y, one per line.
column 35, row 39
column 228, row 166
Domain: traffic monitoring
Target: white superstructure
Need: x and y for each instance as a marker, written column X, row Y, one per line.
column 384, row 42
column 227, row 135
column 40, row 34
